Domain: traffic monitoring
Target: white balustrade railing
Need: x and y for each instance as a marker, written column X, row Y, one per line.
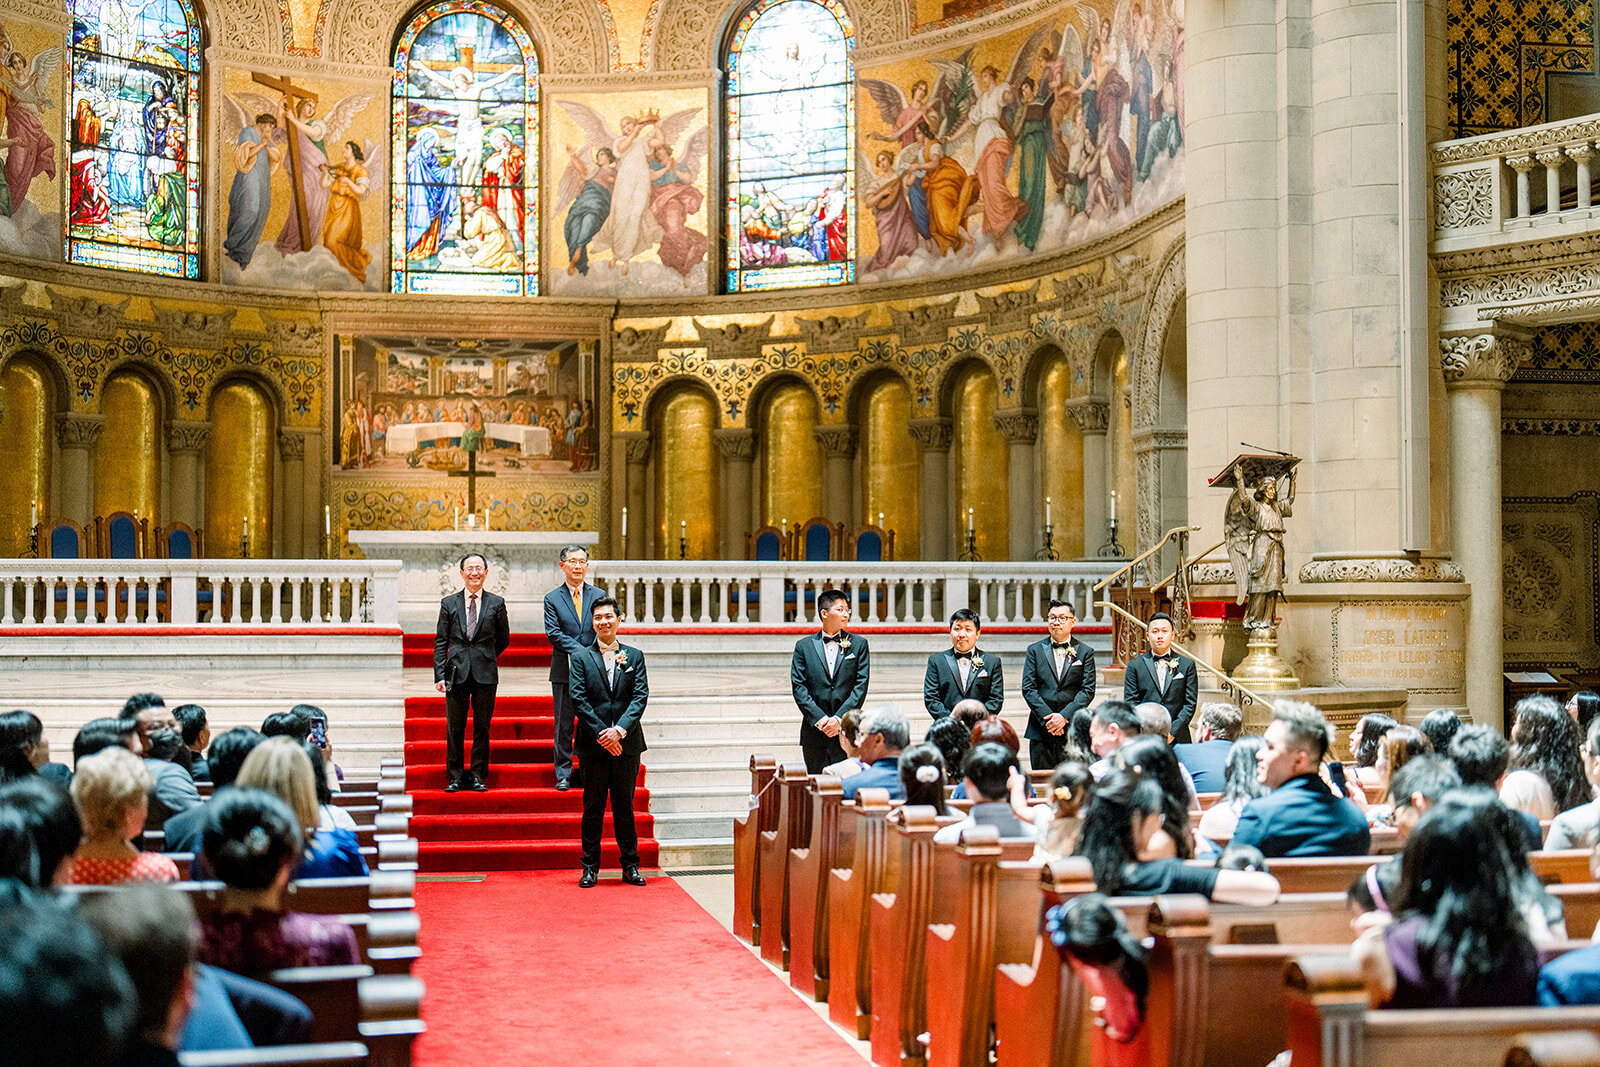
column 740, row 593
column 190, row 592
column 1488, row 185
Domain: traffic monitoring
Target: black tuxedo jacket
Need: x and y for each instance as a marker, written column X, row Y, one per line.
column 819, row 696
column 941, row 687
column 601, row 704
column 1183, row 689
column 567, row 632
column 1048, row 695
column 458, row 656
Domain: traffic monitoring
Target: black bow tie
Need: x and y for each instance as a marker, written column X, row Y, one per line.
column 1169, row 660
column 1061, row 644
column 834, row 639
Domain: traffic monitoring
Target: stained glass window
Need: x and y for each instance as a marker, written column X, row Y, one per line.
column 791, row 147
column 133, row 202
column 466, row 106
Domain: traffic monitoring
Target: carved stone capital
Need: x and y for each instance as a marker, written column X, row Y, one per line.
column 636, row 447
column 735, row 443
column 291, row 445
column 1522, row 164
column 1380, row 569
column 1581, row 153
column 933, row 435
column 1018, row 427
column 187, row 436
column 1091, row 415
column 836, row 441
column 1480, row 360
column 77, row 430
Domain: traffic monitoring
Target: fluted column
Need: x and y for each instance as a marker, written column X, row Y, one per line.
column 1476, row 368
column 186, row 476
column 738, row 450
column 76, row 434
column 1094, row 420
column 933, row 443
column 1021, row 430
column 636, row 450
column 839, row 451
column 293, row 541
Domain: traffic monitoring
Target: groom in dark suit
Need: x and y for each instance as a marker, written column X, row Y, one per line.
column 567, row 623
column 964, row 672
column 1162, row 676
column 609, row 691
column 471, row 633
column 829, row 677
column 1058, row 679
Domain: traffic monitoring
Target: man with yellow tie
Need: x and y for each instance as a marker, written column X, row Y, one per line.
column 569, row 623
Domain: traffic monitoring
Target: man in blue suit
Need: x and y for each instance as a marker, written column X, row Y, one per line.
column 569, row 623
column 1301, row 816
column 884, row 732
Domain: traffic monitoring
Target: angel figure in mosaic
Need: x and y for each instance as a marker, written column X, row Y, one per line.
column 673, row 198
column 320, row 141
column 29, row 150
column 885, row 196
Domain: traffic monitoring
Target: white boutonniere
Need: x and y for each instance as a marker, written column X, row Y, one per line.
column 622, row 657
column 844, row 644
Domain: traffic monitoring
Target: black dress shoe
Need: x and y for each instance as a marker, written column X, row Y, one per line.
column 631, row 875
column 454, row 786
column 479, row 785
column 564, row 785
column 590, row 877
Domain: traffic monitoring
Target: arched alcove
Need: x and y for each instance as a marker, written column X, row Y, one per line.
column 888, row 456
column 981, row 462
column 791, row 458
column 240, row 458
column 127, row 456
column 26, row 407
column 685, row 473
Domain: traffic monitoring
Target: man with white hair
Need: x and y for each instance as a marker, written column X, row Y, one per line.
column 884, row 732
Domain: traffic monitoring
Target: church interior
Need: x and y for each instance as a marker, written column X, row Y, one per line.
column 750, row 300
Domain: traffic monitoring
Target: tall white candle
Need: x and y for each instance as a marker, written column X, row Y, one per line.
column 880, row 520
column 1113, row 505
column 624, row 520
column 458, row 516
column 244, row 528
column 34, row 521
column 486, row 518
column 969, row 520
column 327, row 521
column 1047, row 511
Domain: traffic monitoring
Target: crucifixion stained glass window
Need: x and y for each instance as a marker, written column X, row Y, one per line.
column 791, row 147
column 465, row 215
column 133, row 200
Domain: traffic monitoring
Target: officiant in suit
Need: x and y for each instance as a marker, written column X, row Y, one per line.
column 568, row 624
column 1162, row 676
column 1058, row 677
column 609, row 691
column 829, row 677
column 964, row 672
column 471, row 633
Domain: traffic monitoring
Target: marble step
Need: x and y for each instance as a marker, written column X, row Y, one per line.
column 680, row 798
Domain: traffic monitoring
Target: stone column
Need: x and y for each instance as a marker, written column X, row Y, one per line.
column 636, row 449
column 933, row 442
column 838, row 482
column 1094, row 420
column 293, row 541
column 76, row 434
column 1021, row 430
column 186, row 441
column 313, row 498
column 1476, row 368
column 738, row 449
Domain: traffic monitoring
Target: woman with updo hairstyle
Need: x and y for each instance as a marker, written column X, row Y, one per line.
column 951, row 739
column 282, row 767
column 922, row 773
column 1364, row 737
column 252, row 842
column 112, row 791
column 849, row 731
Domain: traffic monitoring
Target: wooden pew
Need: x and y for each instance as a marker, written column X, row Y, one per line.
column 747, row 830
column 1326, row 874
column 810, row 863
column 900, row 914
column 772, row 859
column 1039, row 1005
column 864, row 833
column 1564, row 1048
column 335, row 1054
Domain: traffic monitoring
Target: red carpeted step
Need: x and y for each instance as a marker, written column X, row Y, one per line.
column 513, row 826
column 501, row 775
column 501, row 728
column 433, row 800
column 433, row 706
column 525, row 650
column 502, row 750
column 524, row 855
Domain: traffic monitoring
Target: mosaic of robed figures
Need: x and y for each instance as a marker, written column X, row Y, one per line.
column 30, row 196
column 1027, row 142
column 302, row 197
column 465, row 99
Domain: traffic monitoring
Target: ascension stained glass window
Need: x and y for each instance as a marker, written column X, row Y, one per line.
column 791, row 147
column 133, row 201
column 466, row 106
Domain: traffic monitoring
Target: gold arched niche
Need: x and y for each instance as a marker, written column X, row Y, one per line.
column 1060, row 460
column 239, row 471
column 686, row 475
column 791, row 458
column 983, row 464
column 25, row 408
column 127, row 457
column 889, row 465
column 1125, row 479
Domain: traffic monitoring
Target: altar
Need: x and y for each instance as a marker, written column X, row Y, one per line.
column 531, row 441
column 522, row 568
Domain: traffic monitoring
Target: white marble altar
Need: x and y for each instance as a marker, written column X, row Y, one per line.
column 522, row 568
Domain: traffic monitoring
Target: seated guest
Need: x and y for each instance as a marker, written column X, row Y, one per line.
column 1239, row 788
column 993, row 729
column 282, row 767
column 1399, row 746
column 1056, row 823
column 148, row 713
column 1217, row 727
column 951, row 738
column 969, row 713
column 228, row 754
column 1579, row 827
column 1153, row 758
column 196, row 736
column 39, row 829
column 1457, row 938
column 316, row 721
column 1546, row 768
column 66, row 1001
column 1124, row 813
column 151, row 931
column 1155, row 721
column 884, row 733
column 1440, row 726
column 1112, row 725
column 286, row 724
column 1364, row 738
column 174, row 791
column 1417, row 786
column 112, row 791
column 1091, row 936
column 1481, row 757
column 97, row 734
column 330, row 816
column 1301, row 816
column 252, row 841
column 1584, row 707
column 24, row 752
column 849, row 733
column 922, row 777
column 987, row 773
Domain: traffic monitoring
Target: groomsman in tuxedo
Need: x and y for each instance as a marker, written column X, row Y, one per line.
column 568, row 624
column 471, row 633
column 609, row 691
column 964, row 672
column 829, row 677
column 1058, row 679
column 1162, row 676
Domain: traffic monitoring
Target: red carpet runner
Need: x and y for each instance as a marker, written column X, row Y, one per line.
column 527, row 968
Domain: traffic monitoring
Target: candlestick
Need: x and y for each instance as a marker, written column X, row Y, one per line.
column 1047, row 512
column 327, row 521
column 624, row 520
column 458, row 516
column 1113, row 505
column 969, row 521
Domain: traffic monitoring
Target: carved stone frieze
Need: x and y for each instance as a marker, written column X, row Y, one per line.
column 933, row 435
column 837, row 441
column 74, row 429
column 1212, row 572
column 297, row 336
column 87, row 316
column 51, row 14
column 1010, row 310
column 832, row 333
column 194, row 329
column 631, row 343
column 735, row 443
column 1160, row 440
column 734, row 340
column 1480, row 359
column 1554, row 282
column 636, row 448
column 1380, row 569
column 925, row 324
column 1018, row 427
column 1170, row 288
column 291, row 446
column 1550, row 427
column 253, row 26
column 571, row 34
column 1091, row 415
column 190, row 436
column 1526, row 140
column 1463, row 199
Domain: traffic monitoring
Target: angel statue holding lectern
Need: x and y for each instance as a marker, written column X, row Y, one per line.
column 1263, row 496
